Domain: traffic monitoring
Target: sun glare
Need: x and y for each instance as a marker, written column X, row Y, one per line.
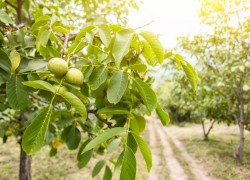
column 169, row 19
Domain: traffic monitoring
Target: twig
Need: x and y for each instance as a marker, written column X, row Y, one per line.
column 109, row 124
column 144, row 25
column 38, row 98
column 12, row 5
column 65, row 44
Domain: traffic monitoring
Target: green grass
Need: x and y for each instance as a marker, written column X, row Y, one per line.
column 62, row 166
column 217, row 153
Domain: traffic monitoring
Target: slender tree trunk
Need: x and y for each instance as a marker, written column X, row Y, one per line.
column 206, row 134
column 239, row 153
column 25, row 165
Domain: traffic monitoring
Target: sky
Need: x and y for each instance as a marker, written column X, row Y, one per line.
column 171, row 18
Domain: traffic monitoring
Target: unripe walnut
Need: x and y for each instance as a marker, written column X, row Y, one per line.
column 74, row 76
column 58, row 66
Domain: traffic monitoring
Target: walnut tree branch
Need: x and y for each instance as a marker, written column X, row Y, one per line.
column 109, row 124
column 10, row 4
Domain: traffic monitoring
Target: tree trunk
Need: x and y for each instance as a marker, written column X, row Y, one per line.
column 206, row 134
column 25, row 165
column 239, row 153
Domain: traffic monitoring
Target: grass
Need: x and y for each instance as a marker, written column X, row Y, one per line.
column 217, row 153
column 216, row 156
column 62, row 166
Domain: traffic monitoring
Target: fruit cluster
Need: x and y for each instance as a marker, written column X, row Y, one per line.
column 59, row 68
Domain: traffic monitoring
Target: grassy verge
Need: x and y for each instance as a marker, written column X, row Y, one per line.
column 217, row 153
column 181, row 159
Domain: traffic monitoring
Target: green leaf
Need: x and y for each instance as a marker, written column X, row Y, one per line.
column 17, row 93
column 35, row 134
column 83, row 32
column 149, row 54
column 113, row 145
column 88, row 71
column 1, row 38
column 119, row 162
column 98, row 77
column 117, row 86
column 72, row 136
column 177, row 59
column 113, row 110
column 128, row 170
column 40, row 22
column 42, row 37
column 137, row 123
column 147, row 94
column 75, row 102
column 104, row 137
column 76, row 47
column 98, row 167
column 84, row 158
column 164, row 117
column 155, row 45
column 34, row 65
column 39, row 84
column 15, row 60
column 121, row 45
column 60, row 29
column 145, row 150
column 138, row 67
column 190, row 73
column 107, row 173
column 5, row 18
column 131, row 142
column 5, row 67
column 104, row 33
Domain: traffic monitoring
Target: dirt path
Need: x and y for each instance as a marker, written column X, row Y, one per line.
column 176, row 171
column 155, row 156
column 197, row 169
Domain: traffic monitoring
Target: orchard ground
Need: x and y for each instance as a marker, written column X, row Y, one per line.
column 177, row 152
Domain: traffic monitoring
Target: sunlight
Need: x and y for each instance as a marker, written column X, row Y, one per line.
column 170, row 18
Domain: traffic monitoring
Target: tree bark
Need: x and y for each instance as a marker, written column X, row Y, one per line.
column 206, row 134
column 239, row 153
column 25, row 165
column 19, row 11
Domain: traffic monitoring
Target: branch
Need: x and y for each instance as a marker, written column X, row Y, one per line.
column 109, row 124
column 144, row 25
column 19, row 11
column 38, row 98
column 66, row 39
column 12, row 5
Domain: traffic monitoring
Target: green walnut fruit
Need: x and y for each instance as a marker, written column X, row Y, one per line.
column 74, row 76
column 58, row 66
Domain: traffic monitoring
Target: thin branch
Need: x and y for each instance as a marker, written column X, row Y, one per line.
column 65, row 44
column 211, row 127
column 109, row 124
column 144, row 25
column 39, row 98
column 12, row 5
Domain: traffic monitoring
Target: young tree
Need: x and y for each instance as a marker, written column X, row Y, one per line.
column 223, row 58
column 67, row 76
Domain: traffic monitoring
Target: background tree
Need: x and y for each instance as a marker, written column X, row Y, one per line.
column 222, row 55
